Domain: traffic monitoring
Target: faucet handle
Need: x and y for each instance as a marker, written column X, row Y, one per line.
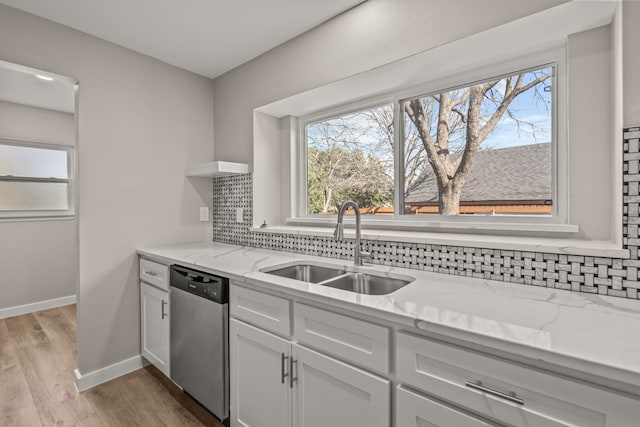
column 365, row 255
column 338, row 234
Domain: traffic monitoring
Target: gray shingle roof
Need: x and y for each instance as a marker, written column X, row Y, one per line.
column 502, row 174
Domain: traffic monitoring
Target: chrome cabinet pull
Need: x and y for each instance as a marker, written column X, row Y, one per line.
column 162, row 311
column 511, row 396
column 151, row 273
column 292, row 378
column 283, row 368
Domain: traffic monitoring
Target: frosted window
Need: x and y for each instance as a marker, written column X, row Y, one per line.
column 33, row 162
column 30, row 196
column 36, row 180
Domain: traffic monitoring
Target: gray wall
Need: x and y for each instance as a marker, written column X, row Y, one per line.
column 52, row 246
column 631, row 62
column 380, row 31
column 140, row 123
column 372, row 34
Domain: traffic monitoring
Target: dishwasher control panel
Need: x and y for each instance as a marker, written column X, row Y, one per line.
column 205, row 285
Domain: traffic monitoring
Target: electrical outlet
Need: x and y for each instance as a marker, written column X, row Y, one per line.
column 239, row 214
column 204, row 213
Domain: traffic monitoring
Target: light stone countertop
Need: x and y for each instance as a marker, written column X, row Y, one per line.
column 597, row 335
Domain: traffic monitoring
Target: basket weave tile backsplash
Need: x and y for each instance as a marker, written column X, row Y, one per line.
column 601, row 275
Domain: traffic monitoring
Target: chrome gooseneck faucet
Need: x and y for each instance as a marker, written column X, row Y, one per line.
column 338, row 234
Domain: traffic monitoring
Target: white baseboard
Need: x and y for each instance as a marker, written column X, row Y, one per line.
column 36, row 306
column 108, row 373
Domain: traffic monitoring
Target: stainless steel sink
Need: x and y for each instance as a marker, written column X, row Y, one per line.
column 307, row 272
column 342, row 278
column 364, row 283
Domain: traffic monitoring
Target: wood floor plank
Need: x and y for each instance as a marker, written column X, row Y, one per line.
column 37, row 358
column 25, row 330
column 57, row 326
column 186, row 402
column 51, row 389
column 92, row 421
column 8, row 347
column 152, row 394
column 117, row 406
column 61, row 333
column 70, row 313
column 16, row 405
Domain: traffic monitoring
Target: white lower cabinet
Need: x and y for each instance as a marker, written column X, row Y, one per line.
column 154, row 317
column 328, row 392
column 510, row 393
column 277, row 383
column 260, row 391
column 307, row 376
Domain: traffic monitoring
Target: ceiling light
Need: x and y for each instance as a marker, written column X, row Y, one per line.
column 46, row 78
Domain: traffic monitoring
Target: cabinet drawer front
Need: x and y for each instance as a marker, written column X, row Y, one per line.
column 344, row 337
column 453, row 374
column 416, row 410
column 154, row 273
column 266, row 311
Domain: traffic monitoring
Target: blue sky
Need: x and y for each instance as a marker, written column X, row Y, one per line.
column 528, row 107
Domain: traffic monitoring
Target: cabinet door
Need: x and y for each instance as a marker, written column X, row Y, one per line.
column 260, row 390
column 415, row 410
column 154, row 316
column 328, row 392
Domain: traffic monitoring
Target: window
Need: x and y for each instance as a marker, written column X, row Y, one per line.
column 35, row 180
column 350, row 157
column 477, row 150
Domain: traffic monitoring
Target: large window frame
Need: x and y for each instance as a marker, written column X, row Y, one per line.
column 16, row 215
column 557, row 221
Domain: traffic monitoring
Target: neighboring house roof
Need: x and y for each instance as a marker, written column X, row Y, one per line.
column 502, row 174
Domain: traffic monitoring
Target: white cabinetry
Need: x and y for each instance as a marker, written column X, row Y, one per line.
column 260, row 389
column 330, row 392
column 416, row 410
column 279, row 382
column 154, row 314
column 267, row 311
column 501, row 390
column 362, row 343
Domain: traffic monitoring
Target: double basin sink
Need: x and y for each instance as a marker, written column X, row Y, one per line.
column 349, row 279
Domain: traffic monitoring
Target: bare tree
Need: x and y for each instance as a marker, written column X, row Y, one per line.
column 342, row 159
column 461, row 118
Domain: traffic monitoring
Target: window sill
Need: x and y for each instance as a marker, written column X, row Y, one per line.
column 38, row 218
column 458, row 223
column 516, row 243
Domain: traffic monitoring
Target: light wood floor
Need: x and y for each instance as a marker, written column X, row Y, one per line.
column 37, row 358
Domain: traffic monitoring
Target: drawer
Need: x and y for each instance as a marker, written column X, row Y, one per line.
column 263, row 310
column 488, row 386
column 347, row 338
column 154, row 273
column 415, row 410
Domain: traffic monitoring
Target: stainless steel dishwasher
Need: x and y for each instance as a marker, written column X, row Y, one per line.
column 199, row 329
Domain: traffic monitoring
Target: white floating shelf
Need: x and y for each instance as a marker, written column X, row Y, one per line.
column 217, row 168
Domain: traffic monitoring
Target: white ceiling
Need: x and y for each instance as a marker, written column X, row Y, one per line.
column 207, row 37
